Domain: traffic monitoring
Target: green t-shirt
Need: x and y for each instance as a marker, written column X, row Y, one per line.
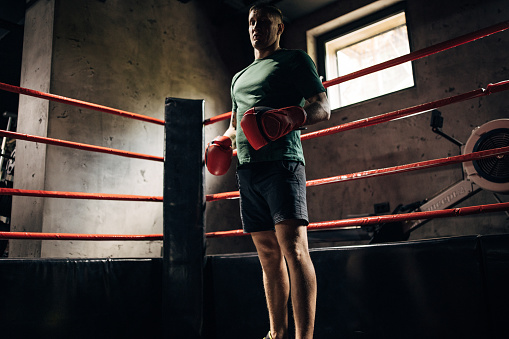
column 285, row 78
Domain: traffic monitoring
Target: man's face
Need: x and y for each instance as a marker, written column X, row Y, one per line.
column 264, row 29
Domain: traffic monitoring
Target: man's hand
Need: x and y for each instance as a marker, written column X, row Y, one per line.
column 262, row 125
column 218, row 155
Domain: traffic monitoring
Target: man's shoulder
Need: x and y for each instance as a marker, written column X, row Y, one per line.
column 295, row 57
column 239, row 73
column 293, row 53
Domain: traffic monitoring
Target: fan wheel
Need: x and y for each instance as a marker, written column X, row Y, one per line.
column 492, row 173
column 494, row 169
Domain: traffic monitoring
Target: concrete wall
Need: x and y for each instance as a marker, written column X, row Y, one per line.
column 128, row 55
column 27, row 213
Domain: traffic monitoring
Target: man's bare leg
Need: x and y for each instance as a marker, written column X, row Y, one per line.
column 293, row 241
column 275, row 280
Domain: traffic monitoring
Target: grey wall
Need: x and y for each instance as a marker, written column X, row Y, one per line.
column 128, row 55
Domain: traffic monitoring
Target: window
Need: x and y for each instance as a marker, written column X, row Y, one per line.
column 365, row 44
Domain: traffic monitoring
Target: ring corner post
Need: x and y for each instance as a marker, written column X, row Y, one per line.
column 183, row 220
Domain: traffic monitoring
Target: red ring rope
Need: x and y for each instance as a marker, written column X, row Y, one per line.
column 440, row 47
column 385, row 171
column 73, row 236
column 454, row 212
column 234, row 195
column 79, row 103
column 217, row 118
column 378, row 119
column 412, row 167
column 77, row 195
column 76, row 145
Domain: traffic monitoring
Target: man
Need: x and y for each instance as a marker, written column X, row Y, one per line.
column 267, row 98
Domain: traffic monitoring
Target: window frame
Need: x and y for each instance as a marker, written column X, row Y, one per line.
column 368, row 20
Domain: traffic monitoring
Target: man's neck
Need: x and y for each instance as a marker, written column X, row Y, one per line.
column 260, row 54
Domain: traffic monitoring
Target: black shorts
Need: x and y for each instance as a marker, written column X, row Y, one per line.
column 271, row 192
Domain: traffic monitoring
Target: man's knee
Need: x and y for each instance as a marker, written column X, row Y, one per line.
column 292, row 237
column 267, row 247
column 298, row 254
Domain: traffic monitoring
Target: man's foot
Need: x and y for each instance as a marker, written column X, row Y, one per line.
column 268, row 336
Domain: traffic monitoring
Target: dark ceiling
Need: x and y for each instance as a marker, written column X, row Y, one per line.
column 292, row 9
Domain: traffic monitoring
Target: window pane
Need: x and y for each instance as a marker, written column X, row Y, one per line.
column 371, row 50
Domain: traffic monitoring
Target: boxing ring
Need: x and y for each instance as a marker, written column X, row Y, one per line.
column 193, row 287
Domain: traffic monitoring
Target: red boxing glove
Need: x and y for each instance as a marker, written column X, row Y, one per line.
column 218, row 155
column 262, row 125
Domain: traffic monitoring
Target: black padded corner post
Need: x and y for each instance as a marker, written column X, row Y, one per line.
column 183, row 215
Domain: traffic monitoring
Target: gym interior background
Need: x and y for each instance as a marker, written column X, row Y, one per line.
column 130, row 55
column 450, row 280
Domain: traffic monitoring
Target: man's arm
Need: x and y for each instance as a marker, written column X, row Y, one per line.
column 231, row 132
column 317, row 109
column 262, row 125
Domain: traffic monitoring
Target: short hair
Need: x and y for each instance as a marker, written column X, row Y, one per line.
column 267, row 8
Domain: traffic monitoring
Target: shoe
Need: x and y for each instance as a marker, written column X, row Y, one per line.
column 268, row 336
